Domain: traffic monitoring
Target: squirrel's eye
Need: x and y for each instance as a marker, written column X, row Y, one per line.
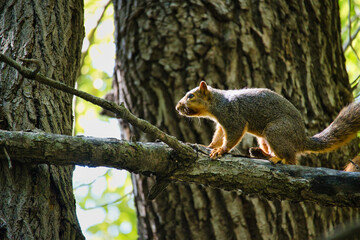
column 190, row 96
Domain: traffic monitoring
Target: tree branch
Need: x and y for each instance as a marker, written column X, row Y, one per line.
column 38, row 148
column 185, row 151
column 251, row 176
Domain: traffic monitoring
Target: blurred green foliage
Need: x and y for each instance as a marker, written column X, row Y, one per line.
column 93, row 79
column 107, row 197
column 115, row 201
column 350, row 26
column 110, row 194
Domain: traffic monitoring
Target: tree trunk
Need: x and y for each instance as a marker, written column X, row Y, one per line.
column 37, row 202
column 165, row 48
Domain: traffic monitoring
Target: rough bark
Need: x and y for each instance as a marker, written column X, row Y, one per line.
column 37, row 202
column 164, row 48
column 249, row 176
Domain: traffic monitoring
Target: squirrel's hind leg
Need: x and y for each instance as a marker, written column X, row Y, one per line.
column 283, row 153
column 280, row 142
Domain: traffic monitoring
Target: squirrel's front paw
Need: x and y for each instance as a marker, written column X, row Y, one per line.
column 217, row 152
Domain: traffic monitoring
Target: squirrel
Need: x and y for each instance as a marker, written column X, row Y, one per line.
column 276, row 123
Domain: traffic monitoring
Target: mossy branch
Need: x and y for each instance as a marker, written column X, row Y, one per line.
column 120, row 110
column 249, row 176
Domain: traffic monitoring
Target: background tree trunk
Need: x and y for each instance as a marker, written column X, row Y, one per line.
column 165, row 48
column 37, row 202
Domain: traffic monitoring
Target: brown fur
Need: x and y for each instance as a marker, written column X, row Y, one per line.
column 341, row 131
column 267, row 115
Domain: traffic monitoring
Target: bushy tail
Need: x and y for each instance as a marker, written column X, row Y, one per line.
column 341, row 131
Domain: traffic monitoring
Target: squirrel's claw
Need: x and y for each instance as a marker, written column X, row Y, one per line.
column 217, row 152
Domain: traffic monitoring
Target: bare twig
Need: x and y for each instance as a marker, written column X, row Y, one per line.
column 349, row 41
column 350, row 37
column 92, row 32
column 354, row 19
column 90, row 183
column 109, row 203
column 354, row 84
column 182, row 149
column 355, row 81
column 7, row 157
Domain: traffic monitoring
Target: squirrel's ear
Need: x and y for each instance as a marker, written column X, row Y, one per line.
column 203, row 87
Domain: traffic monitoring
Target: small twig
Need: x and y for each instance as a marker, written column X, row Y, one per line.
column 354, row 84
column 92, row 32
column 7, row 157
column 354, row 19
column 356, row 166
column 350, row 37
column 355, row 80
column 349, row 42
column 109, row 203
column 184, row 151
column 90, row 183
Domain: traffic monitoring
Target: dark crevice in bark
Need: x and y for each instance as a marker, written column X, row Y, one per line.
column 250, row 219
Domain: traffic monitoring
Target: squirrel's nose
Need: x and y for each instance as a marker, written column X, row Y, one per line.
column 177, row 107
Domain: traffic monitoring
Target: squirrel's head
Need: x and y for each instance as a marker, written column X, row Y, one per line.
column 196, row 102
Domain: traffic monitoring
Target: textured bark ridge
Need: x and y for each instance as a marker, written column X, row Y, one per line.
column 165, row 48
column 37, row 202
